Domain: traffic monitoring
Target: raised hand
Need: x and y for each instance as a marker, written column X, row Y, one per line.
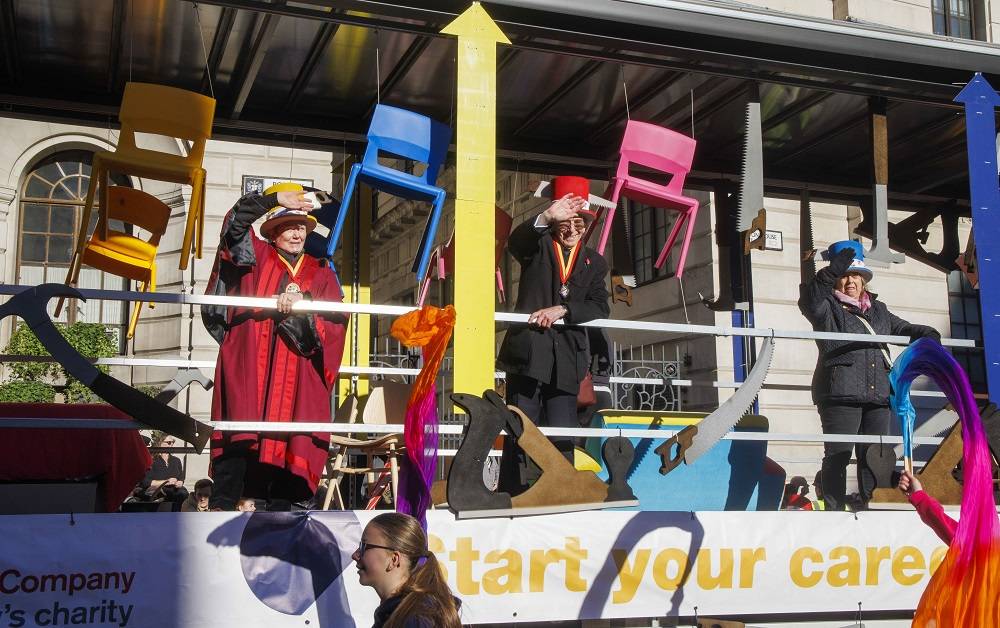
column 564, row 209
column 841, row 262
column 294, row 200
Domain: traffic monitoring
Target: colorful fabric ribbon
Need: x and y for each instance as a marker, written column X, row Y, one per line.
column 965, row 589
column 429, row 327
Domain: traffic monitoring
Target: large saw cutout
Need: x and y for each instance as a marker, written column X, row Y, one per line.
column 694, row 440
column 32, row 306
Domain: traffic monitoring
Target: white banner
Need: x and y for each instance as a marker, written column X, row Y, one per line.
column 294, row 569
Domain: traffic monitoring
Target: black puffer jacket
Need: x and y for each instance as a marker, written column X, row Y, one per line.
column 850, row 372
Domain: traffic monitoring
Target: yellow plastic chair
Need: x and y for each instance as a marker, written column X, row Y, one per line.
column 124, row 255
column 160, row 110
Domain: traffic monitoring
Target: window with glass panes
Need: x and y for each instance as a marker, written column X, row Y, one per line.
column 952, row 18
column 963, row 309
column 51, row 207
column 649, row 226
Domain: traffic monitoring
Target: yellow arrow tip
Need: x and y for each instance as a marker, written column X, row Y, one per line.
column 476, row 23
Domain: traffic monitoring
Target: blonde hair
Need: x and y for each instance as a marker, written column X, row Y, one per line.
column 425, row 592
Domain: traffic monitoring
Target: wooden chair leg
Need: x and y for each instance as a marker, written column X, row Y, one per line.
column 341, row 505
column 333, row 484
column 394, row 470
column 370, row 475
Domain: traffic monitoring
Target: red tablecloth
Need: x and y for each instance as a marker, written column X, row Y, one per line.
column 118, row 458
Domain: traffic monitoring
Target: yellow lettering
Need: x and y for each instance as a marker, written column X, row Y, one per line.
column 464, row 556
column 873, row 561
column 907, row 558
column 629, row 576
column 936, row 558
column 748, row 562
column 571, row 554
column 661, row 568
column 847, row 572
column 796, row 567
column 510, row 573
column 724, row 579
column 436, row 546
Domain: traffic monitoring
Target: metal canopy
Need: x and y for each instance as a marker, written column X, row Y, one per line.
column 310, row 72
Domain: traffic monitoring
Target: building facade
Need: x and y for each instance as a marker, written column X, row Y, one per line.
column 44, row 169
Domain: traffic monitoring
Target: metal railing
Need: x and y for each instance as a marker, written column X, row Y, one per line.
column 666, row 377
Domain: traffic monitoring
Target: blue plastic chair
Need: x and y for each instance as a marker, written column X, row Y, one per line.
column 326, row 216
column 408, row 135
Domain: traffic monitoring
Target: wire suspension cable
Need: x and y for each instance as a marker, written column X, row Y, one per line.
column 204, row 51
column 378, row 68
column 628, row 112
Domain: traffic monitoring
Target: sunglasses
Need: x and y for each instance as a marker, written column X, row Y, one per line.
column 365, row 545
column 576, row 225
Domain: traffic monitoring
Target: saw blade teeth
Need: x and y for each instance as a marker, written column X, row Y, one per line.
column 725, row 415
column 752, row 176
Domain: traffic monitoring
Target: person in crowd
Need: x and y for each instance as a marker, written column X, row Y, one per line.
column 850, row 385
column 819, row 503
column 274, row 365
column 796, row 495
column 561, row 280
column 166, row 477
column 394, row 560
column 199, row 500
column 246, row 504
column 928, row 508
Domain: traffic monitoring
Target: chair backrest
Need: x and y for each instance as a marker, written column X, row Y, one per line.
column 386, row 403
column 408, row 135
column 658, row 148
column 347, row 412
column 138, row 208
column 163, row 110
column 326, row 216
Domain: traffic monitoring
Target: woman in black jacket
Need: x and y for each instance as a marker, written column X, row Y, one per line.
column 851, row 383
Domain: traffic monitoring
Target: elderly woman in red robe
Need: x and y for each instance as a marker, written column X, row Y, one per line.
column 274, row 365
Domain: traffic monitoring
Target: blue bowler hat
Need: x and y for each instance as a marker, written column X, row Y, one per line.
column 858, row 265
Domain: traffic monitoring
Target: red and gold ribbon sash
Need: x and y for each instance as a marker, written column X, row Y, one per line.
column 565, row 266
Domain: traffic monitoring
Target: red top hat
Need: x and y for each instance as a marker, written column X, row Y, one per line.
column 563, row 185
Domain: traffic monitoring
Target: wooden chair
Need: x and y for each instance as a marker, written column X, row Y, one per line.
column 385, row 405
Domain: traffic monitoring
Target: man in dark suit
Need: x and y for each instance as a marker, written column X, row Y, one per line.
column 561, row 279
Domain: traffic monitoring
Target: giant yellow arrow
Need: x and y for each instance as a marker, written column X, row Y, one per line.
column 475, row 193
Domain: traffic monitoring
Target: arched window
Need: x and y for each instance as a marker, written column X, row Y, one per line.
column 51, row 208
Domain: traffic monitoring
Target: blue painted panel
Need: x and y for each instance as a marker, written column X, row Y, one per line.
column 732, row 475
column 980, row 100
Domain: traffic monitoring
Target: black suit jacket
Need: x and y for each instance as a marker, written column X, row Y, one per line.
column 558, row 355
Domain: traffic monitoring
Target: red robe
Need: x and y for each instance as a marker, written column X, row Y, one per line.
column 274, row 367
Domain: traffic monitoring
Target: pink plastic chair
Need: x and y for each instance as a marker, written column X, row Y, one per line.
column 443, row 256
column 665, row 151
